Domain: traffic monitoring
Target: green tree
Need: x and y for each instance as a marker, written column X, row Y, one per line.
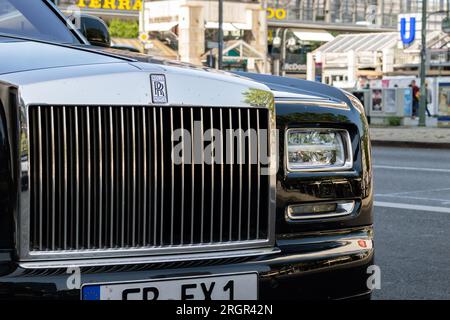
column 123, row 28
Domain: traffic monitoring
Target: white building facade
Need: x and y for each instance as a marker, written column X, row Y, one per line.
column 193, row 24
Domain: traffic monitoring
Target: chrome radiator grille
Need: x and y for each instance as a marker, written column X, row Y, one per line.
column 103, row 178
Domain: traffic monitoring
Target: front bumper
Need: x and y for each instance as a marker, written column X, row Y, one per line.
column 308, row 266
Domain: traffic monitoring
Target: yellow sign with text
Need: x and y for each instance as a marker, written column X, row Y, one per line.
column 276, row 13
column 111, row 4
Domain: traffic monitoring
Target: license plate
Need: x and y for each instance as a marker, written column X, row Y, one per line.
column 216, row 287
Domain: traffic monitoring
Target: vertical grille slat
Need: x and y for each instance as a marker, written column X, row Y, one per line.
column 77, row 183
column 111, row 189
column 123, row 182
column 47, row 185
column 240, row 173
column 231, row 163
column 192, row 175
column 144, row 172
column 100, row 179
column 183, row 160
column 149, row 175
column 213, row 160
column 65, row 191
column 155, row 177
column 161, row 162
column 104, row 177
column 202, row 184
column 88, row 177
column 222, row 160
column 53, row 176
column 172, row 183
column 258, row 193
column 40, row 187
column 133, row 176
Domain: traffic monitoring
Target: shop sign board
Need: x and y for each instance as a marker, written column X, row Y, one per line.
column 294, row 67
column 276, row 13
column 130, row 5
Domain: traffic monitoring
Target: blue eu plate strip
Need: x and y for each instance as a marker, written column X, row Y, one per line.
column 91, row 293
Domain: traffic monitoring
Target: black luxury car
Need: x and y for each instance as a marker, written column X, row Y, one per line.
column 128, row 177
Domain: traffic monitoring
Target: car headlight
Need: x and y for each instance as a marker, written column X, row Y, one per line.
column 318, row 150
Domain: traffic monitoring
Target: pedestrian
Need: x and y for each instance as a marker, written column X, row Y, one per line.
column 429, row 99
column 415, row 98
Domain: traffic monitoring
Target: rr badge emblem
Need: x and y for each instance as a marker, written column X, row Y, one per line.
column 159, row 88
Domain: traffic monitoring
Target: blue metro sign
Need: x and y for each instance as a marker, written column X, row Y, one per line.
column 408, row 39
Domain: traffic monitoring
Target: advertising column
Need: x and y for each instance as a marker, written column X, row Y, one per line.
column 444, row 104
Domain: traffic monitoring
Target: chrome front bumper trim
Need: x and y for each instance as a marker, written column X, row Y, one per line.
column 148, row 259
column 333, row 246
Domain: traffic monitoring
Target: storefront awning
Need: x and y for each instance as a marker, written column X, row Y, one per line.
column 368, row 42
column 161, row 26
column 319, row 35
column 237, row 50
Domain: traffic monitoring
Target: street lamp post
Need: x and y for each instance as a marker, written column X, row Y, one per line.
column 142, row 24
column 283, row 53
column 423, row 65
column 220, row 36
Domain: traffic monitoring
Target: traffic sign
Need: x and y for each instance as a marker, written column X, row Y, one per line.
column 144, row 37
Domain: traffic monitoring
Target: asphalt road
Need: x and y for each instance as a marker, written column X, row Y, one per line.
column 412, row 222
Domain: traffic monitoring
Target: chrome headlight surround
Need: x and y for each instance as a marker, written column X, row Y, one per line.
column 344, row 135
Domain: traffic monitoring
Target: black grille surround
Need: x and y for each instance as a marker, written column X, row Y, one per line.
column 102, row 178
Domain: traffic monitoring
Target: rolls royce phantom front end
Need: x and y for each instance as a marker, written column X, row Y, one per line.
column 122, row 179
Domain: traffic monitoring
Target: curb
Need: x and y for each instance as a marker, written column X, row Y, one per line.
column 411, row 144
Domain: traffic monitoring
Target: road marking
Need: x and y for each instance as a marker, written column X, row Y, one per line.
column 411, row 206
column 412, row 168
column 416, row 191
column 411, row 197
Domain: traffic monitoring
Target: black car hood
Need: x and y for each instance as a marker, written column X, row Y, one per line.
column 281, row 84
column 298, row 86
column 34, row 55
column 21, row 55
